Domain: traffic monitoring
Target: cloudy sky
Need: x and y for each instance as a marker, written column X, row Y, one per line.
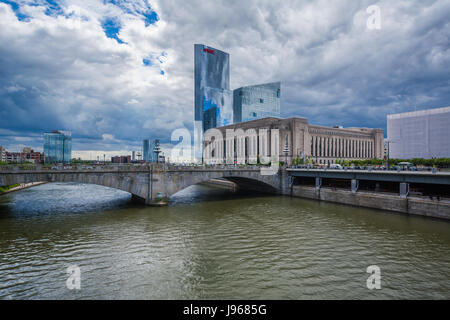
column 115, row 72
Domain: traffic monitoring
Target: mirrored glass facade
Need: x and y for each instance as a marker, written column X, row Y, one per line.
column 148, row 150
column 213, row 97
column 256, row 102
column 58, row 147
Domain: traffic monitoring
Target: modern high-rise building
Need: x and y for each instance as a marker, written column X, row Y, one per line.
column 213, row 97
column 58, row 146
column 148, row 150
column 256, row 102
column 419, row 134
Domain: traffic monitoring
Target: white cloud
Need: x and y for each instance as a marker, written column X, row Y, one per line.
column 63, row 72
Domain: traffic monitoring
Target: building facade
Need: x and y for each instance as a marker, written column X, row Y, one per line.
column 121, row 159
column 419, row 134
column 2, row 154
column 149, row 150
column 58, row 147
column 212, row 95
column 295, row 138
column 256, row 102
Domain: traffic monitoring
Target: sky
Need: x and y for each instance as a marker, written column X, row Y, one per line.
column 117, row 72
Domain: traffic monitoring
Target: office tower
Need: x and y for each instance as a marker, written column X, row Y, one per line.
column 213, row 97
column 419, row 134
column 149, row 150
column 58, row 146
column 256, row 102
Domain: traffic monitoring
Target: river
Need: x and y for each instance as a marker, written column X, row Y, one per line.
column 213, row 244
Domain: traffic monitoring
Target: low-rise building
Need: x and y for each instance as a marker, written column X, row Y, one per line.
column 121, row 159
column 27, row 155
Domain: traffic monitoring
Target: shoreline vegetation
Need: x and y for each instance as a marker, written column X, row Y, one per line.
column 7, row 188
column 17, row 187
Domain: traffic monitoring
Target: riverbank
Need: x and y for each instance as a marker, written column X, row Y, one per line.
column 383, row 201
column 21, row 187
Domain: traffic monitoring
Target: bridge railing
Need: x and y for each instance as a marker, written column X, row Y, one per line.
column 123, row 167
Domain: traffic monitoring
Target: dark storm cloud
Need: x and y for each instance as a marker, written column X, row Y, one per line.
column 61, row 69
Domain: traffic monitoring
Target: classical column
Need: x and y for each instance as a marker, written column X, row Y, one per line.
column 322, row 146
column 351, row 148
column 313, row 146
column 346, row 148
column 364, row 149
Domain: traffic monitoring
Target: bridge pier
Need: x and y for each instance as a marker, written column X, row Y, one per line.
column 355, row 185
column 404, row 189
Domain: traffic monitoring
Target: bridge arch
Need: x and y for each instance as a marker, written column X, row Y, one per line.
column 246, row 180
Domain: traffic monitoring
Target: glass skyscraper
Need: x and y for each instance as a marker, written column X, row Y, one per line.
column 256, row 102
column 148, row 150
column 58, row 146
column 213, row 97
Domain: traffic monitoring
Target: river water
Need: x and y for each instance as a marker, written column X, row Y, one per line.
column 213, row 244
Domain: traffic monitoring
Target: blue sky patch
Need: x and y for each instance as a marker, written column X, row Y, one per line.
column 147, row 14
column 112, row 27
column 150, row 17
column 53, row 8
column 15, row 7
column 147, row 62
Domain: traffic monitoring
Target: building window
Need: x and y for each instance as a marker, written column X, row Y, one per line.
column 254, row 114
column 261, row 100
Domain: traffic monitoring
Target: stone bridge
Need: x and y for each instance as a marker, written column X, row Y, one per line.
column 152, row 184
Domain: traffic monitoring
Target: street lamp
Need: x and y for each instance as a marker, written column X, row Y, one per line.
column 157, row 150
column 388, row 154
column 286, row 149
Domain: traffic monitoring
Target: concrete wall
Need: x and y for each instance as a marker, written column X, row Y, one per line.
column 416, row 206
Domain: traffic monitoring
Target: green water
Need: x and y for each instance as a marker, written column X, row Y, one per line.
column 213, row 244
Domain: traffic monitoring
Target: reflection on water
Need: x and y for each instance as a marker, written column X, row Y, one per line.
column 212, row 244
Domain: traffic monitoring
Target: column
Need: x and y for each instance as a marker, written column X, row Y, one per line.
column 318, row 183
column 351, row 148
column 404, row 189
column 363, row 149
column 322, row 148
column 355, row 185
column 346, row 148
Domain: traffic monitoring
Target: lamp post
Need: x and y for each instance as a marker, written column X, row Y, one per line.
column 286, row 149
column 388, row 142
column 157, row 150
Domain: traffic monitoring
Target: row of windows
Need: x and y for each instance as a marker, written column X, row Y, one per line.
column 341, row 148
